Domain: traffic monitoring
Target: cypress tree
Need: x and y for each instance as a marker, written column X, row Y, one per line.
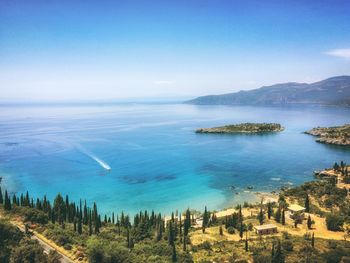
column 113, row 218
column 26, row 200
column 96, row 219
column 85, row 217
column 309, row 222
column 1, row 197
column 22, row 200
column 60, row 209
column 128, row 237
column 173, row 256
column 261, row 216
column 7, row 203
column 307, row 203
column 14, row 199
column 187, row 223
column 278, row 215
column 90, row 224
column 220, row 230
column 336, row 167
column 80, row 227
column 176, row 230
column 283, row 220
column 296, row 223
column 246, row 247
column 53, row 216
column 184, row 243
column 205, row 219
column 75, row 225
column 67, row 217
column 313, row 239
column 180, row 227
column 269, row 210
column 241, row 230
column 159, row 232
column 240, row 213
column 170, row 233
column 342, row 166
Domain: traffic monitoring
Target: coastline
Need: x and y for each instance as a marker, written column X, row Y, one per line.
column 265, row 197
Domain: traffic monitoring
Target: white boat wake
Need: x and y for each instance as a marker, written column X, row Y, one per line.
column 102, row 163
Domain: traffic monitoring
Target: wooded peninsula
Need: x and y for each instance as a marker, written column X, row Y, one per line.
column 244, row 128
column 338, row 135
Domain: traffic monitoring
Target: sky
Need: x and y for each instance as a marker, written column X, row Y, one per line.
column 94, row 50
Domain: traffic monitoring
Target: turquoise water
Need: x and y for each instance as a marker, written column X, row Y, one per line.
column 156, row 160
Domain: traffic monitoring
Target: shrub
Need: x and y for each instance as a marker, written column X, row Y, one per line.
column 9, row 237
column 100, row 251
column 250, row 226
column 286, row 235
column 28, row 251
column 205, row 245
column 32, row 214
column 67, row 246
column 334, row 255
column 230, row 230
column 245, row 204
column 287, row 245
column 263, row 257
column 334, row 222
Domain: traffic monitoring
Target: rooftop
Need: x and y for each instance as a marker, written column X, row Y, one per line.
column 264, row 227
column 296, row 208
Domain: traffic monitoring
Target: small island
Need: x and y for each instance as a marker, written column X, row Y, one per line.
column 338, row 135
column 244, row 128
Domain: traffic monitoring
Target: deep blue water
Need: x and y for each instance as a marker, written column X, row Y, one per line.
column 157, row 161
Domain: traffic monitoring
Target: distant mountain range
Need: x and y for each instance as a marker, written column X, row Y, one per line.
column 331, row 91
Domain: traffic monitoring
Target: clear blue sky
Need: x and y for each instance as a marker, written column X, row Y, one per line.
column 133, row 49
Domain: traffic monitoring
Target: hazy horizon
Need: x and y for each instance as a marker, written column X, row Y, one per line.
column 168, row 50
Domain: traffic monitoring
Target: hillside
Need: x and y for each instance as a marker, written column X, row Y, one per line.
column 331, row 91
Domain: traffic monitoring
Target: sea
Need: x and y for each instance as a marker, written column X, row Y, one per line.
column 136, row 156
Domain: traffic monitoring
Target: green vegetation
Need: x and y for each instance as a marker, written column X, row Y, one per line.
column 244, row 128
column 339, row 135
column 334, row 222
column 17, row 247
column 325, row 195
column 149, row 237
column 70, row 225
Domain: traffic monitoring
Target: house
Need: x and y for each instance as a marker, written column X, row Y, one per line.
column 296, row 212
column 265, row 229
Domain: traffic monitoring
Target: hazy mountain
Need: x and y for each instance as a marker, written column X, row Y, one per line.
column 335, row 90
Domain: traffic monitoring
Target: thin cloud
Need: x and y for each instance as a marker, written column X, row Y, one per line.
column 163, row 82
column 341, row 53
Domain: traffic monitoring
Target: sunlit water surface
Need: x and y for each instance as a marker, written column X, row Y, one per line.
column 147, row 156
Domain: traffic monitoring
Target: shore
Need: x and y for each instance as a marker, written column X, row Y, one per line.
column 265, row 197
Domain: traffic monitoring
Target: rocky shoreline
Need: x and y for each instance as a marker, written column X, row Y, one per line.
column 338, row 135
column 244, row 128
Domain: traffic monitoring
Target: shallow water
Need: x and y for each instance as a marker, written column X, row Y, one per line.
column 156, row 160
